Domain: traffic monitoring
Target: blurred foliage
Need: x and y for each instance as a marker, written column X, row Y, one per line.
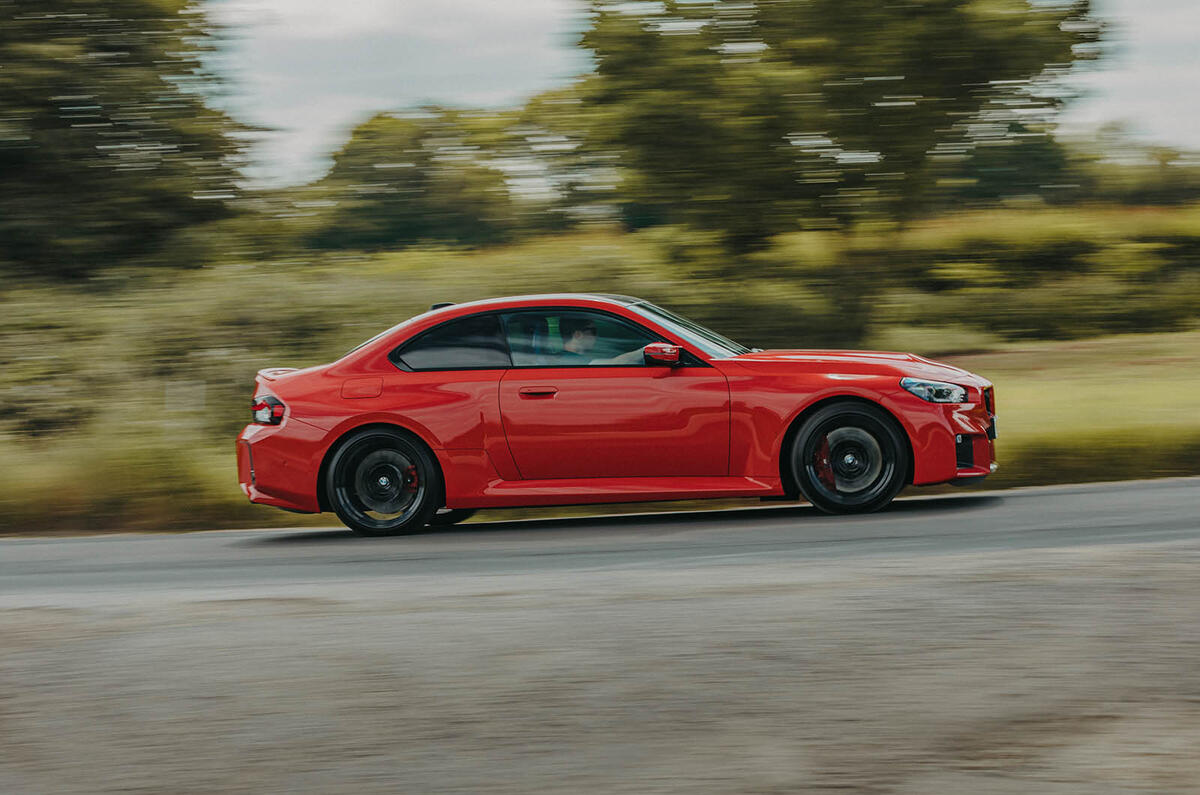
column 1033, row 164
column 106, row 352
column 407, row 178
column 747, row 117
column 740, row 120
column 1022, row 162
column 106, row 144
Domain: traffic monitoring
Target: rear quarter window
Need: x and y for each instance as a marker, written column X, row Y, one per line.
column 469, row 343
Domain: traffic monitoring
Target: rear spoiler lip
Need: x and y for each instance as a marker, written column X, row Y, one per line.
column 272, row 373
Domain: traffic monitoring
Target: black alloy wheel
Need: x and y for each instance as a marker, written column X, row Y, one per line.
column 448, row 516
column 850, row 457
column 382, row 482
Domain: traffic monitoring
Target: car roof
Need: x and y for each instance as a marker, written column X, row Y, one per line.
column 550, row 298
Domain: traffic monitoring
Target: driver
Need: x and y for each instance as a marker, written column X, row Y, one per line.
column 578, row 339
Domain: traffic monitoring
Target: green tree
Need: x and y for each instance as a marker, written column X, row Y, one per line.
column 106, row 144
column 748, row 116
column 702, row 134
column 405, row 178
column 1022, row 162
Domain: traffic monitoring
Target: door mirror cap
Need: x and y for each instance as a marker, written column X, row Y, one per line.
column 662, row 353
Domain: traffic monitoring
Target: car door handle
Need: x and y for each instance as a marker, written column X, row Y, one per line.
column 537, row 391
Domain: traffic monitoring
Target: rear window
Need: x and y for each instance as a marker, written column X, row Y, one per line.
column 469, row 343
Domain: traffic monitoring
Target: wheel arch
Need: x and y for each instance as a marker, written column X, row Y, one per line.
column 327, row 456
column 787, row 476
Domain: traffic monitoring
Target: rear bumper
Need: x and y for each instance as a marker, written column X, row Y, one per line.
column 277, row 465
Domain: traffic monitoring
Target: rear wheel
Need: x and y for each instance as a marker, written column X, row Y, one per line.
column 448, row 516
column 850, row 457
column 382, row 482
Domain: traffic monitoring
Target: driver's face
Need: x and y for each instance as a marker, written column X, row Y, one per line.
column 585, row 339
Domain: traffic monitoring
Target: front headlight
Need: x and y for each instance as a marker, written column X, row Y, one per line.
column 935, row 391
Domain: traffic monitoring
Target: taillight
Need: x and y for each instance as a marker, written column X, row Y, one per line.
column 268, row 410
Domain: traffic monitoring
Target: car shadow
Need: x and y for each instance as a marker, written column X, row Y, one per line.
column 660, row 521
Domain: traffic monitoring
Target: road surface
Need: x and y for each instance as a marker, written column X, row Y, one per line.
column 1041, row 640
column 102, row 566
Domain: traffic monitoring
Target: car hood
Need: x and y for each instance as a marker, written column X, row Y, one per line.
column 857, row 363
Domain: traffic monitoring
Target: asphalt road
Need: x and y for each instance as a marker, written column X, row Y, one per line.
column 1042, row 640
column 1129, row 512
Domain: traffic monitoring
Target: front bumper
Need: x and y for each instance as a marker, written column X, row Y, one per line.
column 952, row 442
column 975, row 439
column 974, row 455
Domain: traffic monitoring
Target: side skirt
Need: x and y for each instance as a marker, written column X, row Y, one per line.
column 581, row 491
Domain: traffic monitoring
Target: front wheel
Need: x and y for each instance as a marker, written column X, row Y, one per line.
column 382, row 482
column 850, row 457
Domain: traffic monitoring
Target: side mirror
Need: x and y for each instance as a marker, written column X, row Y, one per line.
column 662, row 353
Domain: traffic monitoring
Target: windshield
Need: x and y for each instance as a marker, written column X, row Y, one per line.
column 705, row 339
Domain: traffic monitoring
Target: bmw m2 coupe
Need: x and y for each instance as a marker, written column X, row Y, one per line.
column 569, row 399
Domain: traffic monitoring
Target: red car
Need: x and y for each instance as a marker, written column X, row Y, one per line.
column 569, row 399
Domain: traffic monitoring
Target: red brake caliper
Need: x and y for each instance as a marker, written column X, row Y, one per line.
column 822, row 465
column 410, row 479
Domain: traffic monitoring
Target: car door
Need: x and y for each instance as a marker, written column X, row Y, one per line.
column 605, row 413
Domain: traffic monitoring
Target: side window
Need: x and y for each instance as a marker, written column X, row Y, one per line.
column 469, row 343
column 573, row 338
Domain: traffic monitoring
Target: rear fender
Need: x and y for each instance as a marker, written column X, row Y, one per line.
column 358, row 423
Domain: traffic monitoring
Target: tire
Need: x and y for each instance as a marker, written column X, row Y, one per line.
column 850, row 457
column 383, row 482
column 448, row 516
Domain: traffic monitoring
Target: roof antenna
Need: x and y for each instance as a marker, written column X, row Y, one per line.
column 441, row 305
